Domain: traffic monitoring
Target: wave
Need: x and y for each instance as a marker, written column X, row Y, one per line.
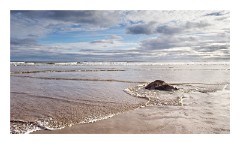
column 156, row 97
column 66, row 100
column 116, row 63
column 174, row 98
column 92, row 120
column 26, row 127
column 42, row 63
column 114, row 80
column 85, row 70
column 226, row 87
column 79, row 79
column 55, row 122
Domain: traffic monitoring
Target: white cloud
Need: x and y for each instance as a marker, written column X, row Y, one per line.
column 165, row 34
column 116, row 37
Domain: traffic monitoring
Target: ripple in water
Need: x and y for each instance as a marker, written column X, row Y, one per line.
column 179, row 97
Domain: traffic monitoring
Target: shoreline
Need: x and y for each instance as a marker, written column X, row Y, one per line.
column 147, row 120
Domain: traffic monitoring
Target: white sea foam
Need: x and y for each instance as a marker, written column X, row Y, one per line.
column 67, row 63
column 116, row 63
column 91, row 120
column 29, row 127
column 156, row 97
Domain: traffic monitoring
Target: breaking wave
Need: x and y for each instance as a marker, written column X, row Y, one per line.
column 115, row 63
column 85, row 70
column 26, row 127
column 156, row 97
column 174, row 98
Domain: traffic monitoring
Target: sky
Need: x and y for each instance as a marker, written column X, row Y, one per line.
column 120, row 35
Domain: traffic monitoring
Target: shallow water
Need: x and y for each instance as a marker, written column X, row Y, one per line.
column 52, row 96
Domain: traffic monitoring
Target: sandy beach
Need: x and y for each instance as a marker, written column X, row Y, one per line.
column 95, row 99
column 148, row 120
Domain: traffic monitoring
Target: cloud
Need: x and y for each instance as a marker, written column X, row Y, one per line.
column 22, row 27
column 115, row 37
column 38, row 24
column 166, row 42
column 168, row 30
column 196, row 25
column 219, row 13
column 163, row 17
column 213, row 47
column 202, row 47
column 155, row 28
column 120, row 35
column 148, row 28
column 23, row 42
column 103, row 41
column 97, row 18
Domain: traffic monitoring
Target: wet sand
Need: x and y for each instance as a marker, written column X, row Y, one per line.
column 148, row 120
column 54, row 96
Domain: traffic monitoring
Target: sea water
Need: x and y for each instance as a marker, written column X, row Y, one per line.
column 49, row 95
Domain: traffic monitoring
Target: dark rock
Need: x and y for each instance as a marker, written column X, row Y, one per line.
column 160, row 85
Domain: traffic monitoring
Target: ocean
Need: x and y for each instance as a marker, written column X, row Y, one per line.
column 51, row 96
